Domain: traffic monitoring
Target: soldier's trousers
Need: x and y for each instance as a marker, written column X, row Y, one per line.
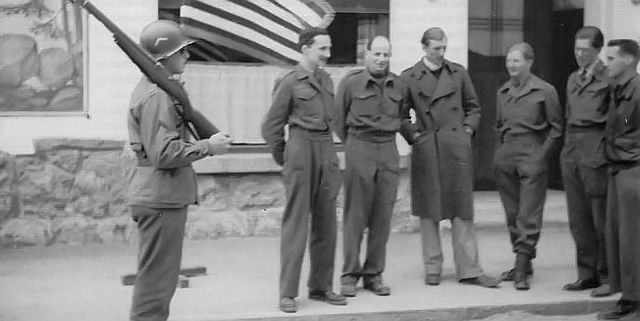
column 521, row 176
column 585, row 188
column 161, row 232
column 371, row 185
column 465, row 247
column 312, row 180
column 622, row 232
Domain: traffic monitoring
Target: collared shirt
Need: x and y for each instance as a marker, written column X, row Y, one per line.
column 588, row 100
column 531, row 108
column 370, row 109
column 432, row 66
column 623, row 124
column 299, row 100
column 589, row 69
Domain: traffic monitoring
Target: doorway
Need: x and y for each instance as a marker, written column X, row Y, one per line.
column 548, row 26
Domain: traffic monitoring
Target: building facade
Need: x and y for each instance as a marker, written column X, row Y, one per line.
column 235, row 95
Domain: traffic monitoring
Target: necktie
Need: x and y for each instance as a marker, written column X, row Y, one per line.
column 583, row 75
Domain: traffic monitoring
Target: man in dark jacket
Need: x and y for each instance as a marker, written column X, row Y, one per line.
column 622, row 149
column 163, row 183
column 369, row 109
column 582, row 161
column 303, row 100
column 447, row 113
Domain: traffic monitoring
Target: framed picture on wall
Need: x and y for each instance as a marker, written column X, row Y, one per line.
column 42, row 60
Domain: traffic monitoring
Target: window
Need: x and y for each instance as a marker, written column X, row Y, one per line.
column 41, row 58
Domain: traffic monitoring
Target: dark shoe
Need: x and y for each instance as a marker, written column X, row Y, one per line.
column 623, row 309
column 603, row 290
column 377, row 287
column 580, row 285
column 328, row 296
column 288, row 305
column 483, row 281
column 507, row 276
column 432, row 279
column 520, row 276
column 521, row 284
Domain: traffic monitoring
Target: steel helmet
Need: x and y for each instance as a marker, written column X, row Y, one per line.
column 163, row 38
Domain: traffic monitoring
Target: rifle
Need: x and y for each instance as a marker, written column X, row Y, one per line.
column 197, row 124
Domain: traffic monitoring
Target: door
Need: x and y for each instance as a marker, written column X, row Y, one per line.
column 548, row 26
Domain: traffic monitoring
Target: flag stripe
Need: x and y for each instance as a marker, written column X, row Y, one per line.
column 265, row 29
column 303, row 12
column 283, row 13
column 264, row 12
column 228, row 39
column 283, row 36
column 240, row 31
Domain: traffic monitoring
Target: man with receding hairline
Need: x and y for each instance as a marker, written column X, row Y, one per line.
column 368, row 116
column 303, row 100
column 622, row 150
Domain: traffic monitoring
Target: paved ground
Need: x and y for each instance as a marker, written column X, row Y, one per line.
column 61, row 283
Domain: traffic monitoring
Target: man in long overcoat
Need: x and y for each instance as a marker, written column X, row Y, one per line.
column 447, row 114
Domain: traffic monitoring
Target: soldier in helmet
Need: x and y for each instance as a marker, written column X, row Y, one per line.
column 163, row 183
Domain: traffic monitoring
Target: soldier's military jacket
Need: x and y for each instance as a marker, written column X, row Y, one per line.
column 369, row 108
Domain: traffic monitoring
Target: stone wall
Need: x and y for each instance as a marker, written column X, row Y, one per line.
column 73, row 192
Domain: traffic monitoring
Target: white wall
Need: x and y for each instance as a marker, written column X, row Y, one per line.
column 616, row 18
column 410, row 18
column 111, row 78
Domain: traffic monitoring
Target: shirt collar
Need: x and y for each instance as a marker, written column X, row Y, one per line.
column 430, row 65
column 589, row 69
column 388, row 81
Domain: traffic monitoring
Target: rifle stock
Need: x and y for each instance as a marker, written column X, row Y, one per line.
column 156, row 73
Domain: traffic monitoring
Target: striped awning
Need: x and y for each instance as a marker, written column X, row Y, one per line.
column 264, row 29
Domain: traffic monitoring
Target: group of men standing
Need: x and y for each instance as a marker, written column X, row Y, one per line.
column 370, row 107
column 602, row 143
column 600, row 164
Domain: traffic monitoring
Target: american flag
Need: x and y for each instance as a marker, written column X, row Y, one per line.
column 264, row 29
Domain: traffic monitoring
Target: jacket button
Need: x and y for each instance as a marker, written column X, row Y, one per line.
column 455, row 108
column 454, row 129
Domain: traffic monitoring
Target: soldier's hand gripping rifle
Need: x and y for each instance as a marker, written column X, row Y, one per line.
column 197, row 124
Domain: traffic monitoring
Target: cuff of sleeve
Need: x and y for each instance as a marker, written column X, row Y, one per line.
column 203, row 146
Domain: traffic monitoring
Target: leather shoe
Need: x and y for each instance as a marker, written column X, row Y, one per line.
column 583, row 284
column 520, row 272
column 521, row 284
column 603, row 290
column 328, row 296
column 348, row 290
column 348, row 287
column 377, row 287
column 288, row 305
column 507, row 276
column 482, row 280
column 624, row 308
column 432, row 279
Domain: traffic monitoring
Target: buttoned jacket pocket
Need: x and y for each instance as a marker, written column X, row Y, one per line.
column 364, row 103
